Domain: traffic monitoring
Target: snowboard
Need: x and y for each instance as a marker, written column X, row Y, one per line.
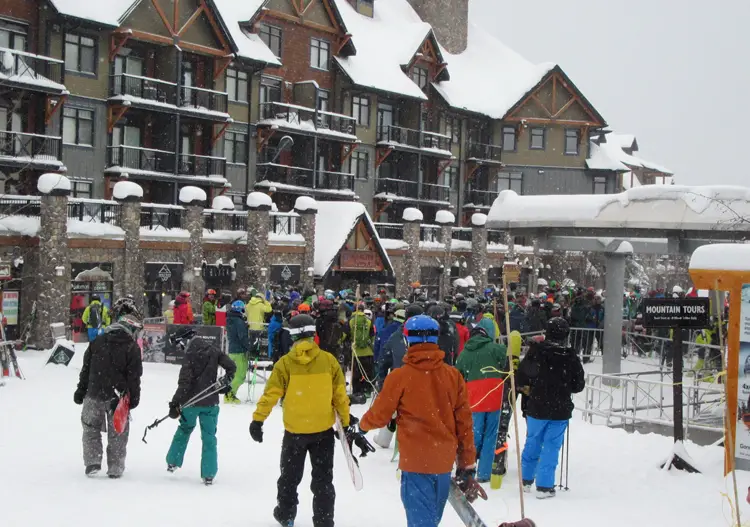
column 500, row 461
column 351, row 462
column 463, row 508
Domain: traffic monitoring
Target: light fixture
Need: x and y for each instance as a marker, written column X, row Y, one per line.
column 59, row 270
column 197, row 271
column 310, row 271
column 263, row 271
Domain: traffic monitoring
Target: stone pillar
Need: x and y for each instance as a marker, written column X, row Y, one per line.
column 194, row 201
column 412, row 221
column 130, row 194
column 256, row 250
column 53, row 300
column 446, row 220
column 615, row 282
column 307, row 209
column 479, row 250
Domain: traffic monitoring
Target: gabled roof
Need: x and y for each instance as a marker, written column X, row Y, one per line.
column 248, row 45
column 106, row 12
column 608, row 155
column 627, row 141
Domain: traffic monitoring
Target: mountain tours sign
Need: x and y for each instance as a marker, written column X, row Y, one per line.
column 676, row 312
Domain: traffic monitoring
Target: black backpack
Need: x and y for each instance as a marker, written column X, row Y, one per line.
column 95, row 315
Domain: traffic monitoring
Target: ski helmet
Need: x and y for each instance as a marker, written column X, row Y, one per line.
column 131, row 324
column 437, row 312
column 420, row 329
column 413, row 310
column 125, row 306
column 557, row 329
column 238, row 306
column 302, row 327
column 399, row 315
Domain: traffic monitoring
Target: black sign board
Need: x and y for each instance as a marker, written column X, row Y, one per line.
column 163, row 276
column 217, row 275
column 61, row 355
column 676, row 312
column 286, row 274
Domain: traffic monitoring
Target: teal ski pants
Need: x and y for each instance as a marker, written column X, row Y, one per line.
column 209, row 418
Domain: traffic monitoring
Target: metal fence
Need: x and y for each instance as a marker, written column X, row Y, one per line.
column 20, row 206
column 94, row 211
column 390, row 231
column 284, row 223
column 232, row 220
column 161, row 216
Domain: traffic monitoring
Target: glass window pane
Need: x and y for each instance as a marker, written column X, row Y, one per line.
column 85, row 130
column 229, row 146
column 71, row 56
column 87, row 59
column 69, row 130
column 240, row 149
column 87, row 41
column 242, row 90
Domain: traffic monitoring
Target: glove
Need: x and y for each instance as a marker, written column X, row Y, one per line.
column 113, row 404
column 226, row 385
column 256, row 431
column 353, row 421
column 174, row 410
column 468, row 485
column 392, row 426
column 78, row 397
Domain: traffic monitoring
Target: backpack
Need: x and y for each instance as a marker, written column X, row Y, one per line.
column 95, row 315
column 361, row 332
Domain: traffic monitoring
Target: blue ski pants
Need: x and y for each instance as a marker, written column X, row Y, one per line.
column 209, row 418
column 93, row 333
column 542, row 450
column 485, row 437
column 424, row 497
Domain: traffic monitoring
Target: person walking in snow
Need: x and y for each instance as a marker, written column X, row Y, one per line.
column 96, row 317
column 112, row 368
column 434, row 423
column 198, row 373
column 209, row 308
column 362, row 334
column 312, row 384
column 552, row 372
column 481, row 364
column 183, row 311
column 394, row 350
column 239, row 347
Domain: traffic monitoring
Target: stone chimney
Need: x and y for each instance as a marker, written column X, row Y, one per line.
column 449, row 20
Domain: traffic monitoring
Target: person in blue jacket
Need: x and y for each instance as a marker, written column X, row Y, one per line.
column 394, row 323
column 517, row 316
column 274, row 326
column 393, row 351
column 239, row 346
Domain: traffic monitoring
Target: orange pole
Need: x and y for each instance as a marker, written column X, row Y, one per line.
column 733, row 363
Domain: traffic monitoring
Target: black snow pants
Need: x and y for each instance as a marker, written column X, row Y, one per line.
column 294, row 449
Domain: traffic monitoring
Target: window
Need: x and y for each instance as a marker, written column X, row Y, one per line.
column 271, row 35
column 537, row 139
column 419, row 76
column 237, row 85
column 386, row 119
column 512, row 181
column 81, row 189
column 319, row 51
column 361, row 109
column 80, row 53
column 235, row 148
column 360, row 164
column 78, row 126
column 600, row 185
column 453, row 128
column 509, row 139
column 323, row 96
column 571, row 141
column 12, row 36
column 270, row 91
column 238, row 200
column 449, row 176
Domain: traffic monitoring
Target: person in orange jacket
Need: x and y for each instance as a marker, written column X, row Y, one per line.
column 432, row 409
column 183, row 311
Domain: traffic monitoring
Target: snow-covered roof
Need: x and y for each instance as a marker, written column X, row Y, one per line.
column 445, row 217
column 127, row 189
column 412, row 214
column 249, row 45
column 611, row 156
column 222, row 202
column 668, row 207
column 49, row 182
column 625, row 140
column 722, row 257
column 385, row 43
column 334, row 223
column 190, row 194
column 107, row 12
column 488, row 77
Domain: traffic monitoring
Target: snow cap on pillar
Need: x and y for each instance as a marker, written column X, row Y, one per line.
column 222, row 202
column 53, row 184
column 305, row 205
column 624, row 248
column 478, row 219
column 445, row 217
column 192, row 195
column 127, row 191
column 259, row 201
column 412, row 215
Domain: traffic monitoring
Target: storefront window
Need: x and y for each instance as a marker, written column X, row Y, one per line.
column 163, row 283
column 88, row 280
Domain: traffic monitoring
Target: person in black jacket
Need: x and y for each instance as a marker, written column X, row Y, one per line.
column 112, row 368
column 198, row 374
column 549, row 373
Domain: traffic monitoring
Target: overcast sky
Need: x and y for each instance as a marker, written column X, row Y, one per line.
column 676, row 73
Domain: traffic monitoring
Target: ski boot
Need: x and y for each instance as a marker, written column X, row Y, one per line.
column 527, row 486
column 526, row 522
column 543, row 493
column 172, row 468
column 357, row 398
column 208, row 481
column 93, row 470
column 282, row 521
column 114, row 476
column 231, row 398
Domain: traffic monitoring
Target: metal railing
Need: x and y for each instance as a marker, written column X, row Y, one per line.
column 225, row 220
column 156, row 216
column 284, row 223
column 497, row 237
column 433, row 192
column 434, row 140
column 391, row 231
column 390, row 133
column 20, row 205
column 140, row 158
column 144, row 88
column 304, row 177
column 429, row 233
column 398, row 187
column 481, row 198
column 32, row 146
column 195, row 165
column 204, row 98
column 337, row 122
column 461, row 233
column 484, row 152
column 30, row 68
column 94, row 211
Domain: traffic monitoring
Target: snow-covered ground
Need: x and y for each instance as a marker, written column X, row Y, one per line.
column 615, row 478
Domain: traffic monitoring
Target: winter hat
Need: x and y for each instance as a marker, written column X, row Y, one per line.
column 399, row 315
column 487, row 326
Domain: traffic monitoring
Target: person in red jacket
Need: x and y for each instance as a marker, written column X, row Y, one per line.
column 183, row 312
column 463, row 331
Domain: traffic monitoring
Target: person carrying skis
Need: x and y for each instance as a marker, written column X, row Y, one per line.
column 552, row 372
column 96, row 317
column 239, row 346
column 197, row 374
column 362, row 334
column 209, row 308
column 112, row 368
column 312, row 384
column 481, row 364
column 183, row 311
column 432, row 408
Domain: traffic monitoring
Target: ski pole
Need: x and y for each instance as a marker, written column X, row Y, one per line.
column 567, row 457
column 562, row 464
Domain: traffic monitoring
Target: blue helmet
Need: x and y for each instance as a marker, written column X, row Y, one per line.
column 421, row 328
column 238, row 306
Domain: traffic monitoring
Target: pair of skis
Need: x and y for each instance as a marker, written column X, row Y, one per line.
column 500, row 461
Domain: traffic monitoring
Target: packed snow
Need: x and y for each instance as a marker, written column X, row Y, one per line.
column 190, row 194
column 222, row 202
column 625, row 247
column 478, row 219
column 305, row 204
column 445, row 217
column 249, row 45
column 412, row 214
column 127, row 189
column 258, row 199
column 109, row 12
column 722, row 257
column 49, row 182
column 609, row 155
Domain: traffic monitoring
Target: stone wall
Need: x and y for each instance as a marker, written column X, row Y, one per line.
column 307, row 230
column 194, row 257
column 256, row 251
column 132, row 277
column 479, row 256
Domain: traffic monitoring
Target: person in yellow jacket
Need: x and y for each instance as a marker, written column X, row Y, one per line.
column 490, row 316
column 169, row 313
column 312, row 385
column 256, row 310
column 96, row 317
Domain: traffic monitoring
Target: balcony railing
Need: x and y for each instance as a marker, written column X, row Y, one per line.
column 391, row 231
column 462, row 233
column 304, row 118
column 144, row 88
column 284, row 223
column 203, row 98
column 225, row 220
column 414, row 138
column 155, row 216
column 485, row 152
column 497, row 237
column 303, row 177
column 153, row 160
column 31, row 69
column 434, row 192
column 480, row 198
column 94, row 211
column 195, row 165
column 398, row 187
column 30, row 146
column 429, row 233
column 436, row 141
column 337, row 122
column 20, row 205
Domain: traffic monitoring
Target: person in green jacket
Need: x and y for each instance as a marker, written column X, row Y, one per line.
column 239, row 346
column 362, row 334
column 482, row 363
column 209, row 308
column 96, row 317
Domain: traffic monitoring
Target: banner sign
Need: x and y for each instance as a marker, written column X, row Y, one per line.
column 167, row 342
column 676, row 312
column 742, row 439
column 360, row 261
column 217, row 274
column 10, row 307
column 62, row 353
column 286, row 274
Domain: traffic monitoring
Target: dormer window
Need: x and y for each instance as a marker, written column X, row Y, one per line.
column 419, row 76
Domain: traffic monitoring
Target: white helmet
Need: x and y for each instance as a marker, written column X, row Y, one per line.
column 677, row 289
